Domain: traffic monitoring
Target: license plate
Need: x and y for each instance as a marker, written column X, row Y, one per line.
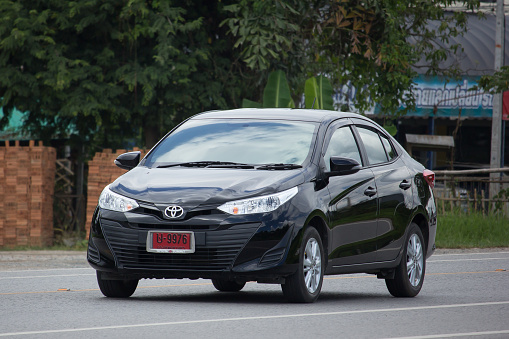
column 170, row 242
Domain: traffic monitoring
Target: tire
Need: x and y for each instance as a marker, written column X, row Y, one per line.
column 116, row 288
column 409, row 274
column 227, row 285
column 304, row 286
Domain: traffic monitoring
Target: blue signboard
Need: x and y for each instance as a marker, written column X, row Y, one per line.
column 447, row 96
column 450, row 97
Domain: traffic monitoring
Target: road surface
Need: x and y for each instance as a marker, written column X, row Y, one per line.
column 55, row 295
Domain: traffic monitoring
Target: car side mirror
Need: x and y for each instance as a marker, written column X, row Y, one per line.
column 128, row 160
column 343, row 166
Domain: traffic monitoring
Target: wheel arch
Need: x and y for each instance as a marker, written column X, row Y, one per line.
column 318, row 223
column 420, row 220
column 316, row 220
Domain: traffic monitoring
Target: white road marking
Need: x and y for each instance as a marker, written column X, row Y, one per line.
column 46, row 276
column 455, row 335
column 470, row 259
column 472, row 253
column 47, row 269
column 283, row 316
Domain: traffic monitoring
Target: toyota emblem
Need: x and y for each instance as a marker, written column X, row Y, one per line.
column 174, row 211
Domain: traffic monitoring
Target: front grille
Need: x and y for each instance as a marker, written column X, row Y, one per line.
column 219, row 252
column 175, row 226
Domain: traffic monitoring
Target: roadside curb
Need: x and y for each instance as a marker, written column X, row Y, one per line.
column 42, row 254
column 33, row 260
column 54, row 254
column 53, row 259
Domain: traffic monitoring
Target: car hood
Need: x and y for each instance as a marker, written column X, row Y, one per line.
column 197, row 186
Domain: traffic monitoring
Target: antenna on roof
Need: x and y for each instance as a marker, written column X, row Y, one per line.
column 313, row 105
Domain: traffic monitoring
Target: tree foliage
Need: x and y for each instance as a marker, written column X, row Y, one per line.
column 111, row 70
column 318, row 93
column 375, row 45
column 496, row 83
column 277, row 93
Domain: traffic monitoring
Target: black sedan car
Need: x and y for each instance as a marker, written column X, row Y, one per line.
column 281, row 196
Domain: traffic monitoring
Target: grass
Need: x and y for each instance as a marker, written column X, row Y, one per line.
column 461, row 230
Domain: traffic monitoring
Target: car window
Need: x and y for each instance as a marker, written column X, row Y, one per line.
column 388, row 147
column 342, row 144
column 373, row 145
column 236, row 140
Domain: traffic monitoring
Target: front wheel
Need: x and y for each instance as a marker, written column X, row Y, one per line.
column 305, row 285
column 116, row 288
column 409, row 274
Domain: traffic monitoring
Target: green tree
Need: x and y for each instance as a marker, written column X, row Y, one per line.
column 496, row 83
column 373, row 44
column 111, row 70
column 114, row 70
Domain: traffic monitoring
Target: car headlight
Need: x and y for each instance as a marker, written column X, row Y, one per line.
column 266, row 203
column 116, row 202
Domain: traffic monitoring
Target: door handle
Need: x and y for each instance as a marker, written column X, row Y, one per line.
column 370, row 191
column 405, row 184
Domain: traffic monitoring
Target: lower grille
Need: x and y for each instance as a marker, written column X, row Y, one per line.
column 221, row 249
column 272, row 257
column 93, row 253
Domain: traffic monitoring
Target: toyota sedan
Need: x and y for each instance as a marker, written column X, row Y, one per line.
column 278, row 196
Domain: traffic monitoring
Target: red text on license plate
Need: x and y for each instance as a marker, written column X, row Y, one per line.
column 171, row 242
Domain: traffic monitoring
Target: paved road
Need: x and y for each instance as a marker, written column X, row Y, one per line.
column 465, row 294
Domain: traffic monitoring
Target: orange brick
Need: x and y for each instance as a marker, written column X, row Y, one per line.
column 10, row 205
column 35, row 232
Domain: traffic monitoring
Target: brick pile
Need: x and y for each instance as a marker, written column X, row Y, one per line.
column 101, row 172
column 27, row 177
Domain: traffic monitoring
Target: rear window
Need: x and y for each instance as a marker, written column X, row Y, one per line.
column 391, row 153
column 373, row 145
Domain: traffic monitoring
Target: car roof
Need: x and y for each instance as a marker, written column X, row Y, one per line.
column 295, row 114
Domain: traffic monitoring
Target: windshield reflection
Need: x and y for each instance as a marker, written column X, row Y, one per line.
column 241, row 141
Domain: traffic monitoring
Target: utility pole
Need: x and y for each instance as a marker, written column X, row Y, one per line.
column 496, row 121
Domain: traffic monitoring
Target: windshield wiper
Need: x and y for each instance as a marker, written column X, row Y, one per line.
column 278, row 167
column 230, row 165
column 209, row 164
column 227, row 164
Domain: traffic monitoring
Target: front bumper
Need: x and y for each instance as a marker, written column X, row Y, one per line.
column 226, row 247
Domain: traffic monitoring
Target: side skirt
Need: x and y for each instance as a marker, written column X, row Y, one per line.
column 383, row 269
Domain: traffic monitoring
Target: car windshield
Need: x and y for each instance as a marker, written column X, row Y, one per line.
column 237, row 141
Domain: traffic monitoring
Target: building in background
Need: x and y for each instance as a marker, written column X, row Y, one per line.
column 453, row 107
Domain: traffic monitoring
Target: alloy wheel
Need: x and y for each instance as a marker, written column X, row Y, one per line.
column 415, row 260
column 312, row 265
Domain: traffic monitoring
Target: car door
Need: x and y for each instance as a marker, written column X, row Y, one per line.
column 394, row 189
column 353, row 208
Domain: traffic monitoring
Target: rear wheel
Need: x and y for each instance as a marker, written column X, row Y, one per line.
column 409, row 274
column 116, row 288
column 305, row 285
column 227, row 285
